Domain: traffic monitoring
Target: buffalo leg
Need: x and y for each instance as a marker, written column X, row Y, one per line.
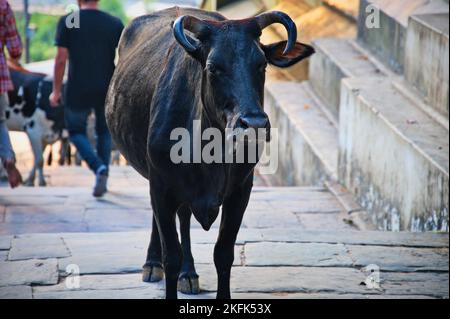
column 64, row 152
column 153, row 269
column 188, row 282
column 164, row 210
column 232, row 213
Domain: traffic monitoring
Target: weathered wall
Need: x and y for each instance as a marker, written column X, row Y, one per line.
column 387, row 42
column 427, row 59
column 300, row 164
column 403, row 188
column 326, row 78
column 312, row 23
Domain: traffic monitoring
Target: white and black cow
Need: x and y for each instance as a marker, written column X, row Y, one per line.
column 30, row 112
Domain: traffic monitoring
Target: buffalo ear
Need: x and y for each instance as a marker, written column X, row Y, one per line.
column 274, row 53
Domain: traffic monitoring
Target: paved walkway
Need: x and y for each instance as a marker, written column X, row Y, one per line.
column 294, row 243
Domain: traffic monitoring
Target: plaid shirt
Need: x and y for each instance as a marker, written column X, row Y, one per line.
column 10, row 38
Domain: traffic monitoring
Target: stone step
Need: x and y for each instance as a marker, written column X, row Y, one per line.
column 242, row 9
column 312, row 23
column 382, row 26
column 414, row 95
column 427, row 58
column 294, row 8
column 292, row 260
column 334, row 60
column 393, row 156
column 349, row 8
column 309, row 151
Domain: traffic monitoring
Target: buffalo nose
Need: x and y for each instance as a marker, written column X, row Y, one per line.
column 255, row 122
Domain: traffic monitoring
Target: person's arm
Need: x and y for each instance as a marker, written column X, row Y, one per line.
column 59, row 71
column 12, row 37
column 62, row 43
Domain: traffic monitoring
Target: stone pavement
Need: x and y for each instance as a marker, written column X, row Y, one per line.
column 294, row 243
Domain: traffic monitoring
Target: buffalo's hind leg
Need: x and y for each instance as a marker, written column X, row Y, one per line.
column 232, row 213
column 188, row 282
column 164, row 210
column 153, row 270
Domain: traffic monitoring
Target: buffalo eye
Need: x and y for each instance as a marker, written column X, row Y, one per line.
column 214, row 69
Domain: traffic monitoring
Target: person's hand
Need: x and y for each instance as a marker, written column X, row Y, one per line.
column 15, row 62
column 14, row 177
column 55, row 98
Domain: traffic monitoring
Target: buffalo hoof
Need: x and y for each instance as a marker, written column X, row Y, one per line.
column 189, row 284
column 152, row 274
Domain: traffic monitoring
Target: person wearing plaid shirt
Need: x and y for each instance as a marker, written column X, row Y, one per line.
column 10, row 39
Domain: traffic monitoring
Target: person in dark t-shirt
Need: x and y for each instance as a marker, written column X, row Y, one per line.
column 88, row 38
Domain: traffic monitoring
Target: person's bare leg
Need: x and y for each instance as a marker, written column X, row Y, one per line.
column 14, row 177
column 6, row 151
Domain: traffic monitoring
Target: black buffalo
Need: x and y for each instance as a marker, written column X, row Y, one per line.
column 176, row 66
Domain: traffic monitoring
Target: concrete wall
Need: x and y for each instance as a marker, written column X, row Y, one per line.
column 325, row 77
column 388, row 39
column 300, row 163
column 312, row 23
column 401, row 187
column 427, row 59
column 387, row 42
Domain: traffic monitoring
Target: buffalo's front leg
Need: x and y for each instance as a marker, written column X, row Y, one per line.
column 232, row 213
column 188, row 282
column 153, row 269
column 164, row 210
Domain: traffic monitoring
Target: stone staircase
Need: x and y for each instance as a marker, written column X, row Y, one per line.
column 313, row 21
column 388, row 42
column 373, row 115
column 292, row 237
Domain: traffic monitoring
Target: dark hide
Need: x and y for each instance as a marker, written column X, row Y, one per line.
column 161, row 83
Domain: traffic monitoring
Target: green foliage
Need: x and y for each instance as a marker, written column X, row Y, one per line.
column 114, row 7
column 42, row 42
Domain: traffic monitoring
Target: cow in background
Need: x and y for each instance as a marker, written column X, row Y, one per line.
column 30, row 112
